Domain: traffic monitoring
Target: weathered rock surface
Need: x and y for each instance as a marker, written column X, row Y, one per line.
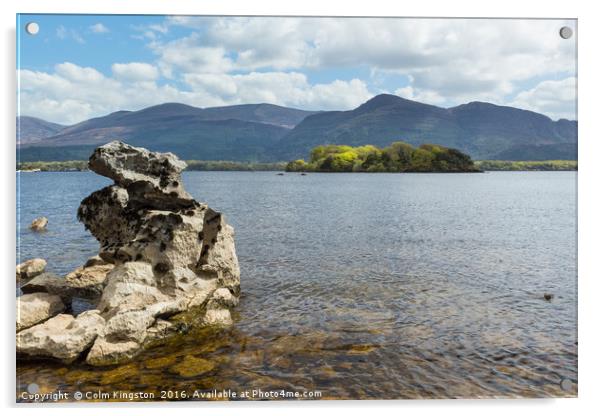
column 45, row 282
column 39, row 224
column 218, row 307
column 37, row 307
column 30, row 268
column 83, row 282
column 162, row 253
column 63, row 337
column 88, row 281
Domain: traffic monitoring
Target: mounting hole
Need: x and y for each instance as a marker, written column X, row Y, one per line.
column 566, row 384
column 33, row 388
column 32, row 28
column 566, row 32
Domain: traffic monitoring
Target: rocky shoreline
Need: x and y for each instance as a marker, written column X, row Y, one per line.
column 166, row 262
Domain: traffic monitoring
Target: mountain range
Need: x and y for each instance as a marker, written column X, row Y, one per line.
column 32, row 129
column 266, row 132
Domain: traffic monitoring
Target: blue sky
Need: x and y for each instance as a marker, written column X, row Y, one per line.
column 82, row 66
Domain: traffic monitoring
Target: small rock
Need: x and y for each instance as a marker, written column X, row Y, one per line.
column 95, row 261
column 89, row 277
column 218, row 317
column 62, row 337
column 45, row 282
column 222, row 297
column 161, row 329
column 548, row 296
column 66, row 289
column 30, row 268
column 104, row 352
column 39, row 224
column 37, row 307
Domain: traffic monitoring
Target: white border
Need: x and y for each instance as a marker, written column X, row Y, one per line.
column 590, row 153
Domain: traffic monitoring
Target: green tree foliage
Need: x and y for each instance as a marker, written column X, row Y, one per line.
column 398, row 157
column 298, row 165
column 225, row 165
column 66, row 166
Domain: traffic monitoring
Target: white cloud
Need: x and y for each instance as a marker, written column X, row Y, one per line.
column 135, row 71
column 394, row 44
column 72, row 93
column 554, row 98
column 450, row 61
column 283, row 88
column 188, row 54
column 63, row 33
column 247, row 60
column 424, row 96
column 99, row 28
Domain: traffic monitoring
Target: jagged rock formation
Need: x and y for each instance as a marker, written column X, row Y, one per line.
column 167, row 253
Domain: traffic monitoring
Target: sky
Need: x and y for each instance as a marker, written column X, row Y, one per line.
column 82, row 66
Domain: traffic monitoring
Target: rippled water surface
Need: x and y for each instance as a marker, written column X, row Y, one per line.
column 357, row 285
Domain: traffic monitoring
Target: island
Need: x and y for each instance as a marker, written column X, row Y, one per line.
column 398, row 157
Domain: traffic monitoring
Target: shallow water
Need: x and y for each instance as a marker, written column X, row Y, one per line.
column 357, row 285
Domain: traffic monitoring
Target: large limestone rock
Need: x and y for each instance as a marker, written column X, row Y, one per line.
column 170, row 253
column 63, row 337
column 37, row 307
column 161, row 254
column 30, row 268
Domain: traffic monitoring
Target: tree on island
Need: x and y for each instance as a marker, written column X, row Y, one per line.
column 398, row 157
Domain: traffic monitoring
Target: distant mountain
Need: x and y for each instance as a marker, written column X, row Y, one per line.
column 265, row 132
column 32, row 129
column 259, row 113
column 241, row 132
column 482, row 130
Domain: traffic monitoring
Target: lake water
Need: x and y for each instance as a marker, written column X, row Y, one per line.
column 359, row 285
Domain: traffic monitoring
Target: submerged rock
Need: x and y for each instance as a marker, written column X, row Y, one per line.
column 30, row 268
column 39, row 224
column 162, row 253
column 37, row 307
column 192, row 366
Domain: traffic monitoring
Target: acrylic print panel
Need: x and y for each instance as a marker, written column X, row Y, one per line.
column 352, row 208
